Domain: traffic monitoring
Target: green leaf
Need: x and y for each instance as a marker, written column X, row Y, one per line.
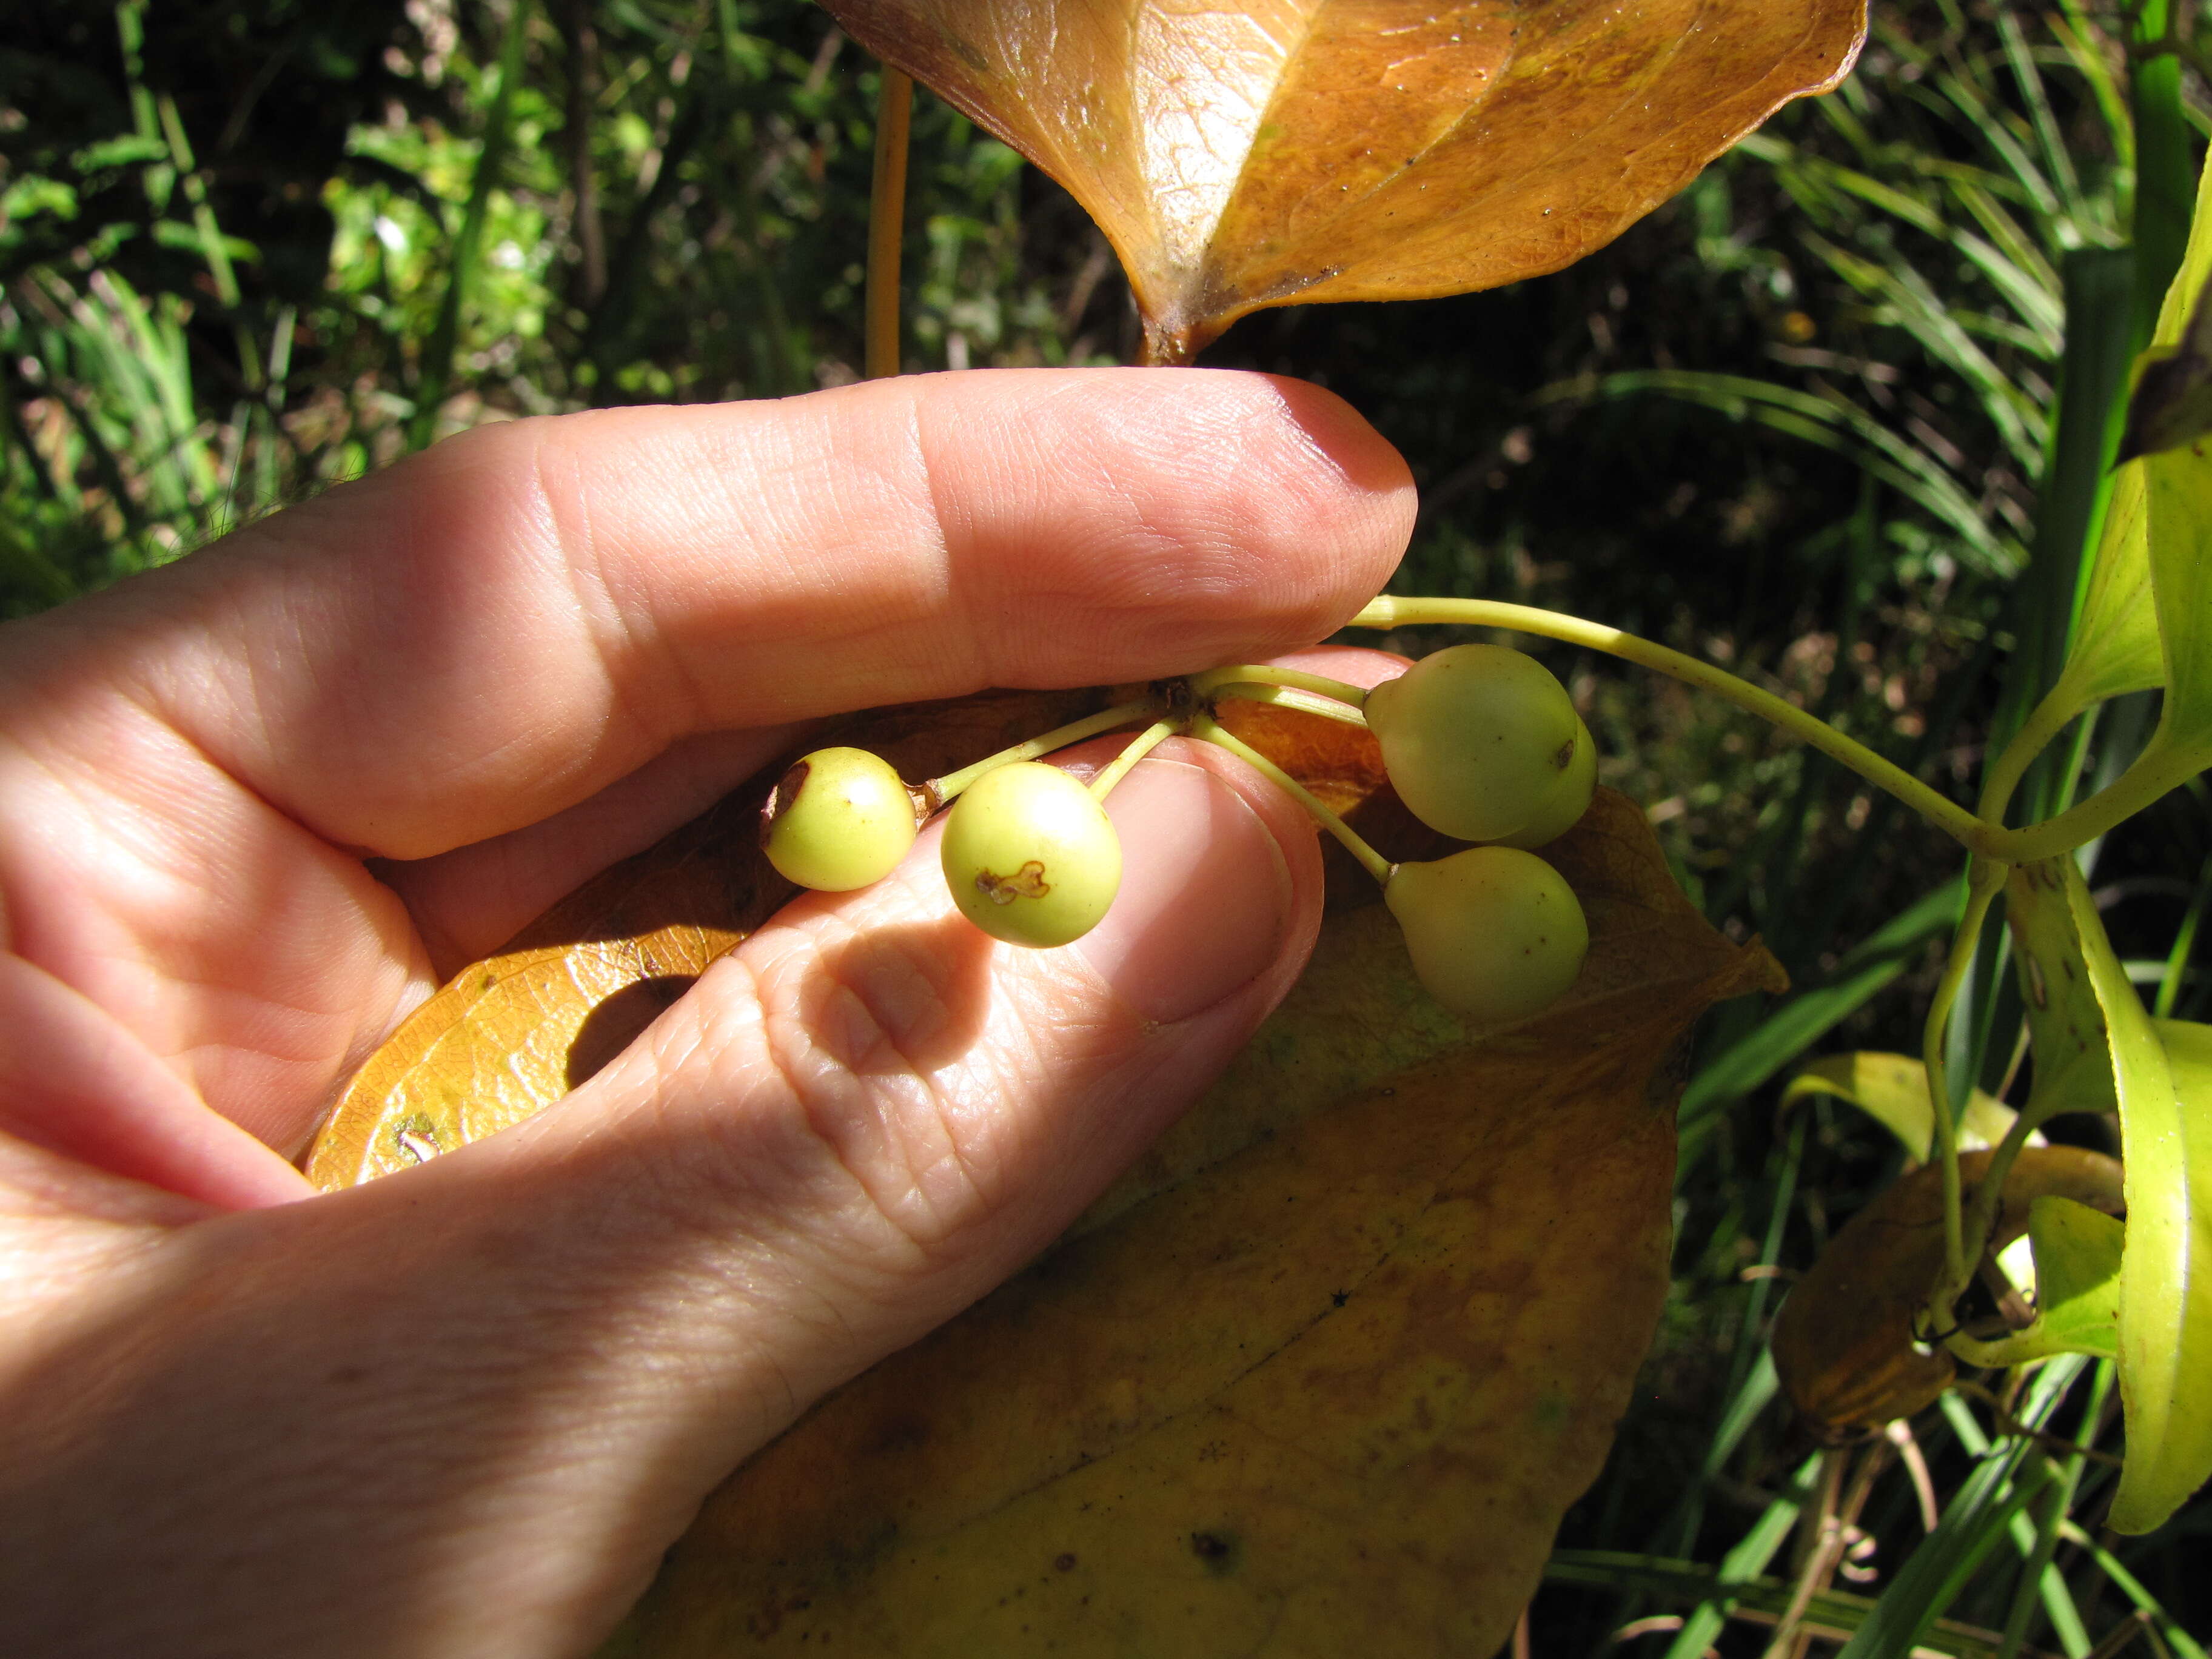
column 2077, row 1285
column 2172, row 400
column 2177, row 490
column 1892, row 1089
column 1974, row 1522
column 2164, row 1072
column 2077, row 1277
column 129, row 149
column 2066, row 1025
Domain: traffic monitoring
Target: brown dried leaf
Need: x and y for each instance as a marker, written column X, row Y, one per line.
column 1252, row 155
column 1320, row 1376
column 1843, row 1343
column 508, row 1036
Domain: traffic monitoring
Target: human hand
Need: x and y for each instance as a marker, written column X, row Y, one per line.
column 253, row 807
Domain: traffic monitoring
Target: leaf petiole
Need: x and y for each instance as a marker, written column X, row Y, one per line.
column 1203, row 686
column 1140, row 746
column 887, row 222
column 1984, row 881
column 1283, row 696
column 1212, row 730
column 939, row 791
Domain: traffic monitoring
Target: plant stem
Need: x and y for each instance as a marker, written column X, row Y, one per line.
column 1203, row 686
column 1206, row 727
column 1140, row 746
column 2048, row 719
column 1283, row 696
column 1390, row 612
column 2162, row 766
column 941, row 790
column 887, row 221
column 1983, row 882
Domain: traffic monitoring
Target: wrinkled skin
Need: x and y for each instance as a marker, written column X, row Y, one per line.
column 253, row 807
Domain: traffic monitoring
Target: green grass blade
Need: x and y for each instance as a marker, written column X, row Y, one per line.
column 445, row 334
column 1974, row 1522
column 1806, row 1016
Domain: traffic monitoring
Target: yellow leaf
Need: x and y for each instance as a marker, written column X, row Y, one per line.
column 1245, row 156
column 1321, row 1374
column 1332, row 1358
column 508, row 1036
column 1892, row 1089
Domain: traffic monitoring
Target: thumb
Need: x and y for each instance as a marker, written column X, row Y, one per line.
column 481, row 1396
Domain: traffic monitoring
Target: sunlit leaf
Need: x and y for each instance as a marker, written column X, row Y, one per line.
column 1892, row 1089
column 1844, row 1342
column 508, row 1036
column 1334, row 1358
column 2164, row 1072
column 2065, row 1023
column 2173, row 399
column 2115, row 648
column 1245, row 155
column 2116, row 638
column 2077, row 1285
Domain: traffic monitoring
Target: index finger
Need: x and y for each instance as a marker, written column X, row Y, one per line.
column 494, row 629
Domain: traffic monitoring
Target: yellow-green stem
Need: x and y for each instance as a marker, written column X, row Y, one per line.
column 2048, row 719
column 1391, row 612
column 1203, row 686
column 1982, row 1219
column 1140, row 746
column 887, row 222
column 1983, row 882
column 2161, row 766
column 941, row 790
column 1284, row 696
column 1206, row 727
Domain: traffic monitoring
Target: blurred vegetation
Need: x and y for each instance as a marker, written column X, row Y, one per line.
column 1800, row 420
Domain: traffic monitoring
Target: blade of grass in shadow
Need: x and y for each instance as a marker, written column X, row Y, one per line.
column 2039, row 1582
column 1833, row 1614
column 436, row 374
column 1801, row 1020
column 1740, row 1567
column 1974, row 1523
column 2182, row 1645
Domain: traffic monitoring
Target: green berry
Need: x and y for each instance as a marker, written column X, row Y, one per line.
column 1476, row 739
column 840, row 818
column 1030, row 856
column 1569, row 801
column 1494, row 933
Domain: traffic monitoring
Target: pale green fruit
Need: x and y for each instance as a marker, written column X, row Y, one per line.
column 1030, row 856
column 840, row 818
column 1494, row 933
column 1569, row 799
column 1475, row 738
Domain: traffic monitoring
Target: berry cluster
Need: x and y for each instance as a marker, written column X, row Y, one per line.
column 1481, row 743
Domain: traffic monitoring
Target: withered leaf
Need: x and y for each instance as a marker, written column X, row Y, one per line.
column 1844, row 1342
column 1319, row 1376
column 508, row 1036
column 1248, row 155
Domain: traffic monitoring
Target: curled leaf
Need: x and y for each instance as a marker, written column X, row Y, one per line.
column 1892, row 1089
column 1242, row 155
column 1844, row 1344
column 2077, row 1285
column 508, row 1036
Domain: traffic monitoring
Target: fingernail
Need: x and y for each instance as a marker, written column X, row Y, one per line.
column 1206, row 895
